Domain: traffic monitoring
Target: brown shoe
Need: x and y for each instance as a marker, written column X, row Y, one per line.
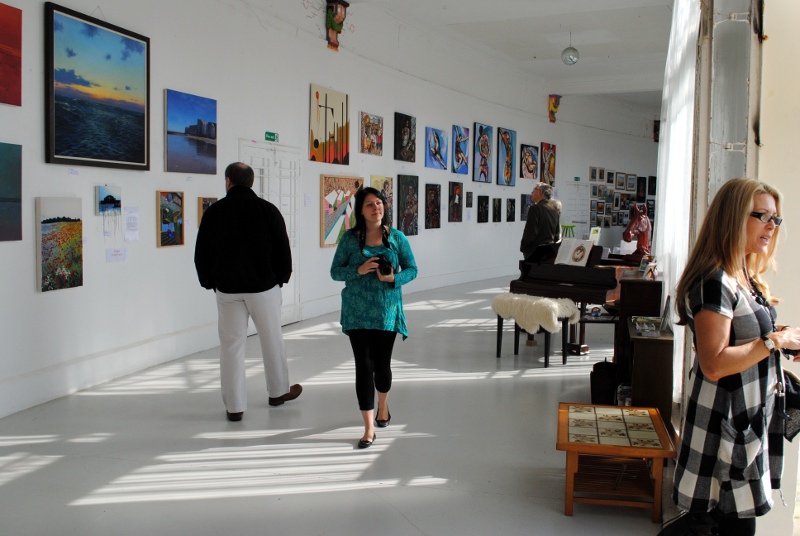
column 294, row 392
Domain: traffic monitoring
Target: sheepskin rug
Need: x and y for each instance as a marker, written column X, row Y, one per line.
column 531, row 312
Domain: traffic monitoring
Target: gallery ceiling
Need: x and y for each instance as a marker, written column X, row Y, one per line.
column 622, row 43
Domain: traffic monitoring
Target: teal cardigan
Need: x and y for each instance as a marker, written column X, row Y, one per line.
column 368, row 302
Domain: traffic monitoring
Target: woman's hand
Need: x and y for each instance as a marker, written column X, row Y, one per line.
column 388, row 278
column 788, row 338
column 370, row 265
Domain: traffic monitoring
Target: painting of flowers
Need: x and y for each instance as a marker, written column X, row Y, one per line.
column 59, row 233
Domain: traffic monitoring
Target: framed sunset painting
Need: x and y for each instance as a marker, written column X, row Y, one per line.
column 97, row 85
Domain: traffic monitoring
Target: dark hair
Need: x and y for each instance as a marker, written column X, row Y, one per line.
column 360, row 228
column 240, row 174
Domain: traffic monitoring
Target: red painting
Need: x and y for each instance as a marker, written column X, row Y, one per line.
column 10, row 55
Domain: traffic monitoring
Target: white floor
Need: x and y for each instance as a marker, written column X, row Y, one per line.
column 470, row 449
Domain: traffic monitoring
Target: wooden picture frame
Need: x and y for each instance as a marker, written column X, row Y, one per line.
column 337, row 199
column 170, row 215
column 202, row 205
column 100, row 72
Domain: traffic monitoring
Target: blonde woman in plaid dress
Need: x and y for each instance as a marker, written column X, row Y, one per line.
column 731, row 452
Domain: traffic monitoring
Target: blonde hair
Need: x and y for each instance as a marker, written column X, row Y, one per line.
column 722, row 241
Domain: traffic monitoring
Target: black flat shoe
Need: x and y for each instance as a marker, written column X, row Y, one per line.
column 383, row 424
column 363, row 443
column 235, row 417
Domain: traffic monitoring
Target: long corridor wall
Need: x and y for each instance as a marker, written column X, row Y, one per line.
column 257, row 59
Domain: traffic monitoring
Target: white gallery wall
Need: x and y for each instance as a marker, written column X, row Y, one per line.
column 257, row 59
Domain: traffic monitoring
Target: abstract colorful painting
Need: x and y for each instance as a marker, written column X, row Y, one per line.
column 97, row 92
column 384, row 184
column 191, row 124
column 337, row 203
column 525, row 201
column 528, row 161
column 548, row 163
column 329, row 126
column 483, row 208
column 482, row 153
column 460, row 150
column 108, row 200
column 433, row 204
column 455, row 200
column 371, row 134
column 59, row 233
column 405, row 137
column 10, row 55
column 506, row 159
column 408, row 204
column 10, row 192
column 435, row 148
column 202, row 205
column 170, row 219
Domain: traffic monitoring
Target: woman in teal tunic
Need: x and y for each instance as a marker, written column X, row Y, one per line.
column 374, row 261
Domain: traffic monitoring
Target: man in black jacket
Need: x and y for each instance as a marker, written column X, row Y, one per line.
column 543, row 225
column 243, row 254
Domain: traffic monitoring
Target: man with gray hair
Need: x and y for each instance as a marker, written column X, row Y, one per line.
column 544, row 220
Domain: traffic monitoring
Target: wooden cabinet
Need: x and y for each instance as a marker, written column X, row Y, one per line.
column 651, row 372
column 637, row 297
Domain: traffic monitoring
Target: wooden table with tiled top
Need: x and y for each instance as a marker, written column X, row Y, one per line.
column 615, row 455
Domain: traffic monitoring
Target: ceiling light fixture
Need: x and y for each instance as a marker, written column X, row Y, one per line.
column 570, row 55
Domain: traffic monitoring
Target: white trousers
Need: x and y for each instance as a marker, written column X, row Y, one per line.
column 234, row 311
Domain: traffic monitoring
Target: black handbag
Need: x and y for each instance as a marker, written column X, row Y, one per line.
column 791, row 386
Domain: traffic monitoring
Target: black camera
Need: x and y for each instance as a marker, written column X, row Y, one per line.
column 384, row 266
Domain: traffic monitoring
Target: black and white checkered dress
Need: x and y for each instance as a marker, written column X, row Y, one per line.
column 731, row 452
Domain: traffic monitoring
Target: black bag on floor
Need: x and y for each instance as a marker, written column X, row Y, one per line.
column 603, row 383
column 687, row 524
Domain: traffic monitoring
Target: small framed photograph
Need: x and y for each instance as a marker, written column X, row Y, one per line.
column 592, row 173
column 170, row 218
column 202, row 205
column 631, row 184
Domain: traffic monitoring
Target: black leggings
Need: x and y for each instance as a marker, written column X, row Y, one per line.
column 734, row 526
column 372, row 350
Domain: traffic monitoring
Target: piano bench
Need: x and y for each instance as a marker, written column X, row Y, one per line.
column 533, row 314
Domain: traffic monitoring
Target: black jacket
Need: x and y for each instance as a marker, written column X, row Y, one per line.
column 242, row 245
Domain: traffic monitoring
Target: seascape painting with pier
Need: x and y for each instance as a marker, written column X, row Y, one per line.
column 97, row 92
column 191, row 133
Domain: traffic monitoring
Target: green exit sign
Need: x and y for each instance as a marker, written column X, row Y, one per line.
column 271, row 136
